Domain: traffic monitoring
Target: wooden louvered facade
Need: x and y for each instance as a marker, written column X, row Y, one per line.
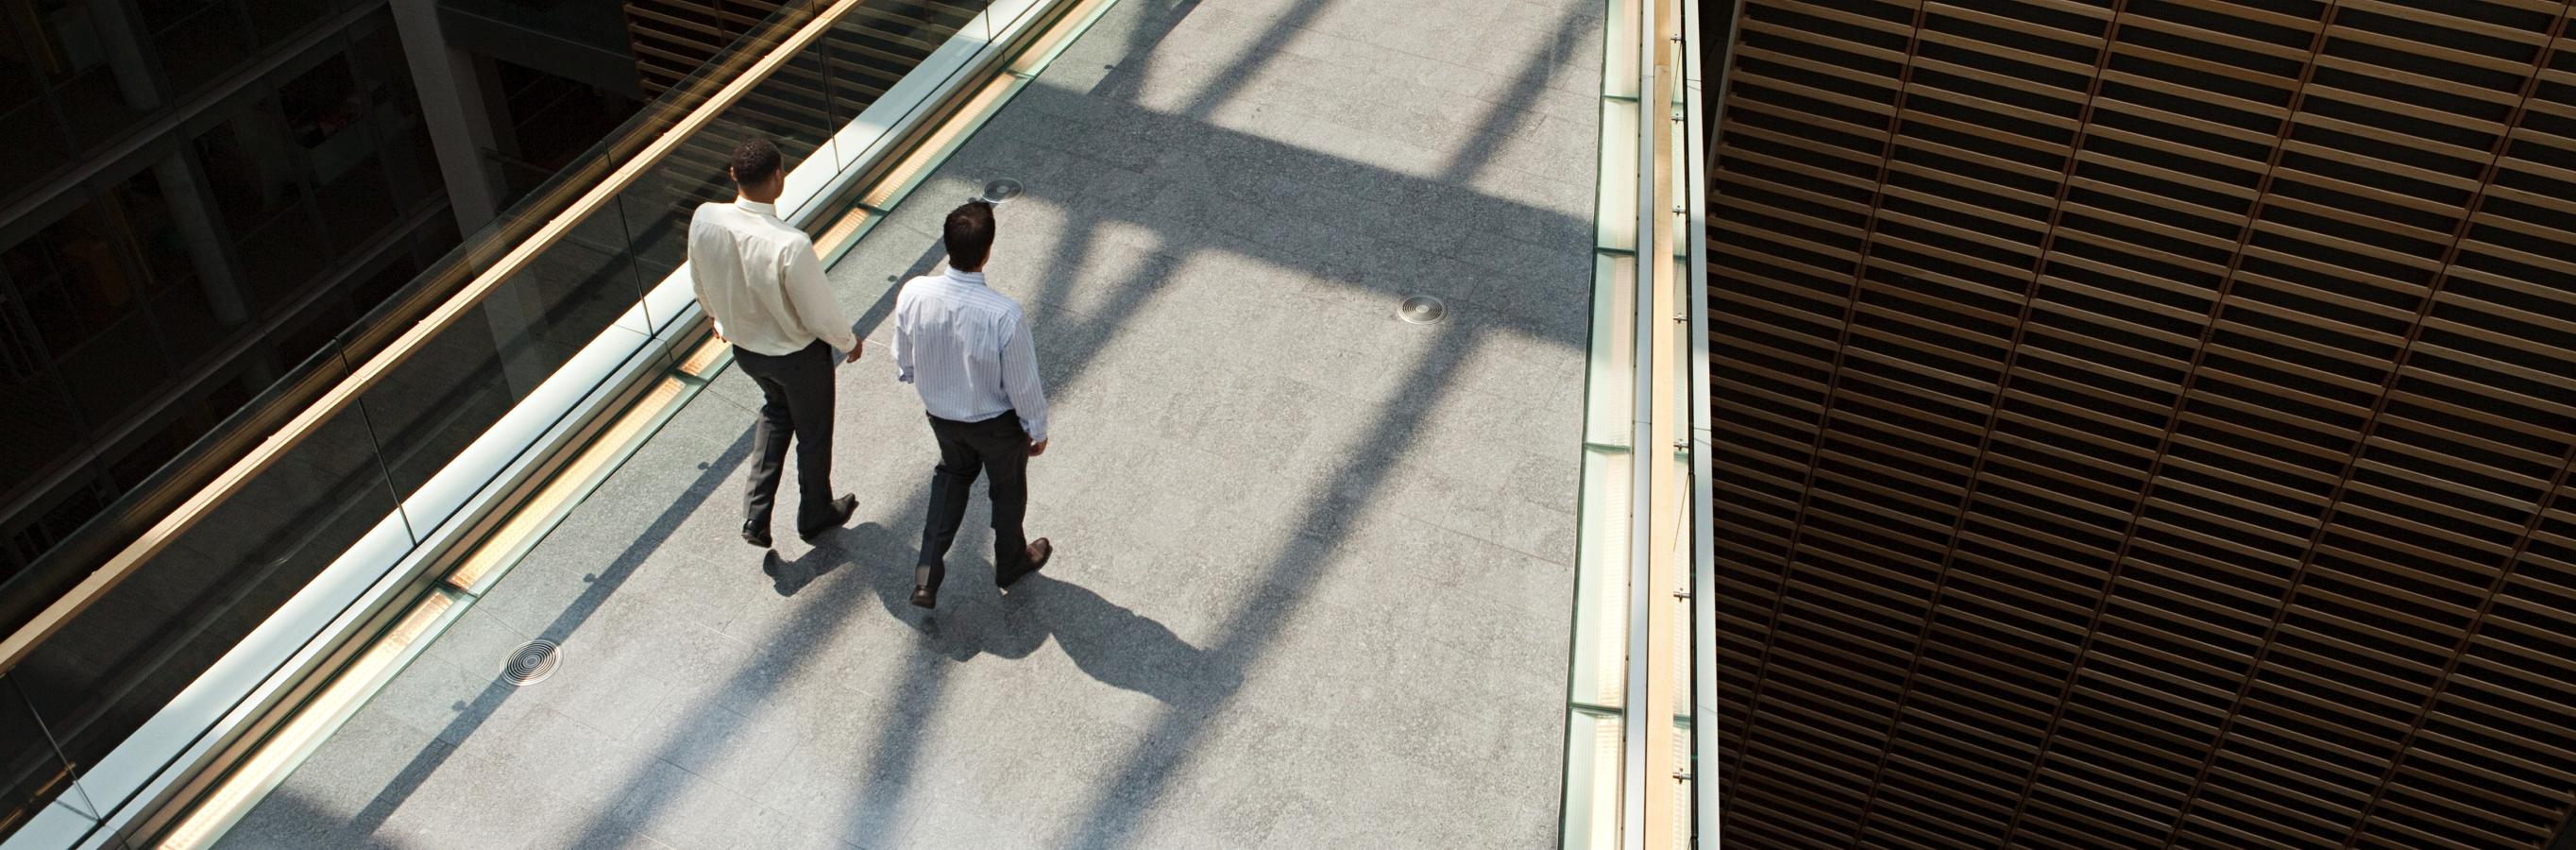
column 2146, row 423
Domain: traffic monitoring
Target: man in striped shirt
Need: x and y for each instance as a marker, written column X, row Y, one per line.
column 967, row 350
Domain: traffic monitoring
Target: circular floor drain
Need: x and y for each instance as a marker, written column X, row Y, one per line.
column 1421, row 310
column 532, row 663
column 999, row 190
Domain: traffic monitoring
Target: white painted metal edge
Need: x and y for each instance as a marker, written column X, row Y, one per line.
column 339, row 717
column 1641, row 654
column 1704, row 749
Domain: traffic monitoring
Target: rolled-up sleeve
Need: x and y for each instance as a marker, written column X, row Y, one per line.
column 903, row 334
column 1020, row 378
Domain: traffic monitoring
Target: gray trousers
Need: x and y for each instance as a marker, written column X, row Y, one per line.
column 797, row 403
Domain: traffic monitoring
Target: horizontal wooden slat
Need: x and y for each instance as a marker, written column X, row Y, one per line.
column 2249, row 440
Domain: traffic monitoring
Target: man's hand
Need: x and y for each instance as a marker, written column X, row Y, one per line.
column 1037, row 447
column 855, row 351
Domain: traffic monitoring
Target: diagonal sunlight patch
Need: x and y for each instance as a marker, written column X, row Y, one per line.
column 1354, row 234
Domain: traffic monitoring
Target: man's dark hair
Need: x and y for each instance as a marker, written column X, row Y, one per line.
column 755, row 160
column 969, row 235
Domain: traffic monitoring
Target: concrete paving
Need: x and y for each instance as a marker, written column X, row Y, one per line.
column 1313, row 575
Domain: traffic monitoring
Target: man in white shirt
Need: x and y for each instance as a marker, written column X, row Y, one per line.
column 967, row 349
column 759, row 278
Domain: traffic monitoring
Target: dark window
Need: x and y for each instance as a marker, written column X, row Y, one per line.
column 411, row 166
column 157, row 236
column 335, row 125
column 273, row 22
column 254, row 167
column 74, row 279
column 36, row 429
column 34, row 140
column 97, row 104
column 198, row 41
column 86, row 292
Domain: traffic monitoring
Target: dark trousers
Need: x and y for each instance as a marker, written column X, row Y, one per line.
column 995, row 445
column 797, row 402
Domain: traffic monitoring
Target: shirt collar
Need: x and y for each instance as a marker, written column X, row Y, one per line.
column 747, row 205
column 976, row 278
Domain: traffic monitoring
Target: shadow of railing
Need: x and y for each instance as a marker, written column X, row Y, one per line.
column 1109, row 643
column 1286, row 585
column 604, row 585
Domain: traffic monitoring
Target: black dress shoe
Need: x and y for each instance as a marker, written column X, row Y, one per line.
column 755, row 535
column 1040, row 551
column 842, row 508
column 924, row 597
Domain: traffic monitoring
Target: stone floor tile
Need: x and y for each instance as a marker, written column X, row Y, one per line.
column 1315, row 562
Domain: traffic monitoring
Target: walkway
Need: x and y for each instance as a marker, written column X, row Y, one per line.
column 1313, row 576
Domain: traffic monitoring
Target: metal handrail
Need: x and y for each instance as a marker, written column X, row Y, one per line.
column 19, row 644
column 1699, row 114
column 1660, row 527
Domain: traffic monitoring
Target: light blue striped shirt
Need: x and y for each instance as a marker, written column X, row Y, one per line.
column 966, row 349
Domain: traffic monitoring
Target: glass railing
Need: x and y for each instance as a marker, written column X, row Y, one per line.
column 1629, row 772
column 380, row 449
column 1597, row 688
column 37, row 771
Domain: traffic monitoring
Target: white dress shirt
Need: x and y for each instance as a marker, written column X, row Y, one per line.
column 759, row 278
column 966, row 348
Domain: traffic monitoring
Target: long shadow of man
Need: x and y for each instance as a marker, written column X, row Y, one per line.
column 1112, row 644
column 788, row 577
column 1121, row 648
column 1109, row 642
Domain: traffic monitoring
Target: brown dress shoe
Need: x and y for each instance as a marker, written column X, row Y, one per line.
column 842, row 508
column 1039, row 552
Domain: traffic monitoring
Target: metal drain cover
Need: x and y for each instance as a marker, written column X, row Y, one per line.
column 532, row 663
column 1000, row 189
column 1421, row 310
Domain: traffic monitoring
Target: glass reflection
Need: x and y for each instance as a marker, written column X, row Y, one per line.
column 32, row 770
